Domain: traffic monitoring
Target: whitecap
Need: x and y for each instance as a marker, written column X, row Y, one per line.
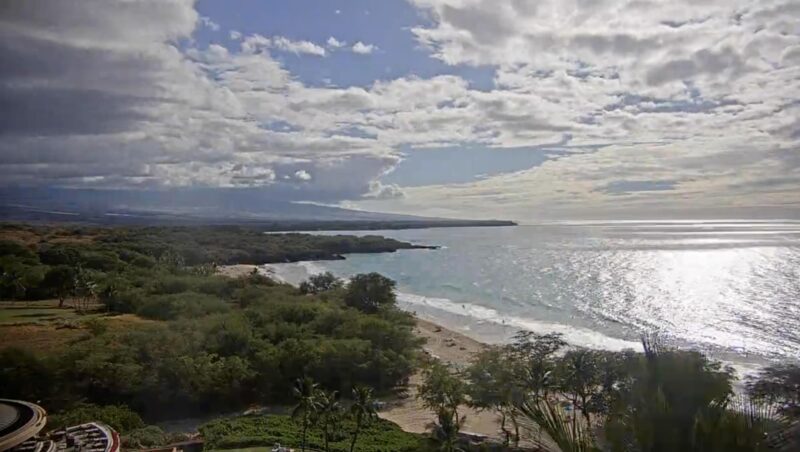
column 576, row 336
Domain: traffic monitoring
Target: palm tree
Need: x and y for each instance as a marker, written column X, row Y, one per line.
column 331, row 412
column 85, row 288
column 445, row 431
column 363, row 409
column 13, row 279
column 580, row 380
column 307, row 394
column 566, row 435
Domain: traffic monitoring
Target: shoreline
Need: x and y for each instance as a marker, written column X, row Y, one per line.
column 743, row 366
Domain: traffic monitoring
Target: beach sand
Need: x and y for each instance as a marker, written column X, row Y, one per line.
column 236, row 271
column 453, row 348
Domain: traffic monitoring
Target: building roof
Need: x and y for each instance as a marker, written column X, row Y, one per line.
column 19, row 421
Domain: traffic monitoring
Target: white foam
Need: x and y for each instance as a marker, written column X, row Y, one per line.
column 311, row 267
column 573, row 335
column 270, row 272
column 291, row 273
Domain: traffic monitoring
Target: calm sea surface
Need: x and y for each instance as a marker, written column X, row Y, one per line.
column 731, row 289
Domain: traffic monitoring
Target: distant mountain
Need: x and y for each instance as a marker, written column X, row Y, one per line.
column 198, row 206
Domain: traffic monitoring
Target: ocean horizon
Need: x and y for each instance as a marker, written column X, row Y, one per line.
column 728, row 288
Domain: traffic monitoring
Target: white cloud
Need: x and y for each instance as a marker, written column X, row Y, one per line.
column 297, row 47
column 359, row 47
column 378, row 190
column 700, row 99
column 256, row 42
column 235, row 35
column 363, row 49
column 334, row 43
column 208, row 23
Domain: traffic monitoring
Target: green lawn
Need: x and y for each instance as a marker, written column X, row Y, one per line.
column 249, row 449
column 260, row 432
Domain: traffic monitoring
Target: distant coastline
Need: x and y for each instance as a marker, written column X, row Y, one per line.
column 321, row 226
column 307, row 218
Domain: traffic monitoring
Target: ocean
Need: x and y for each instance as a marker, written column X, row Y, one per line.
column 728, row 288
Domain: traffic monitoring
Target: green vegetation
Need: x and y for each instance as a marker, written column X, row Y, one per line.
column 37, row 312
column 442, row 391
column 156, row 333
column 778, row 384
column 208, row 343
column 581, row 400
column 362, row 411
column 322, row 282
column 254, row 431
column 120, row 418
column 370, row 292
column 38, row 262
column 150, row 436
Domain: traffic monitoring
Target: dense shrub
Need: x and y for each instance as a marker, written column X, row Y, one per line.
column 255, row 431
column 100, row 260
column 369, row 292
column 150, row 436
column 186, row 304
column 118, row 417
column 211, row 343
column 322, row 282
column 17, row 250
column 25, row 375
column 143, row 261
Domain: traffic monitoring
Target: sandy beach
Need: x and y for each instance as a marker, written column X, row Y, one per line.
column 445, row 344
column 237, row 270
column 453, row 348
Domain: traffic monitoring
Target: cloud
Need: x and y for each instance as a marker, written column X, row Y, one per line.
column 363, row 49
column 378, row 190
column 359, row 47
column 302, row 175
column 334, row 43
column 235, row 35
column 704, row 97
column 296, row 47
column 208, row 23
column 256, row 42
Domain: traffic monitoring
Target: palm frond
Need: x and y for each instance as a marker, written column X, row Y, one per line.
column 566, row 435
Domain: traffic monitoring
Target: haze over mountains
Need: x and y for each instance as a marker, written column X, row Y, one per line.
column 180, row 206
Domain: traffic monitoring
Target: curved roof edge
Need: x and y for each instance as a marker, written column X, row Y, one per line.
column 19, row 421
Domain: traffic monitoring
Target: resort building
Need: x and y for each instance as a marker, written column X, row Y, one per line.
column 22, row 422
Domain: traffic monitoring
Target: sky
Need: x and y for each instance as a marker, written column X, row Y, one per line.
column 514, row 109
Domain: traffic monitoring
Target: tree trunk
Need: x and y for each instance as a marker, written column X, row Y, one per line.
column 585, row 413
column 355, row 433
column 305, row 428
column 505, row 431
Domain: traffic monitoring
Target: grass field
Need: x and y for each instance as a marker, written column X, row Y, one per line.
column 249, row 449
column 257, row 449
column 41, row 326
column 36, row 312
